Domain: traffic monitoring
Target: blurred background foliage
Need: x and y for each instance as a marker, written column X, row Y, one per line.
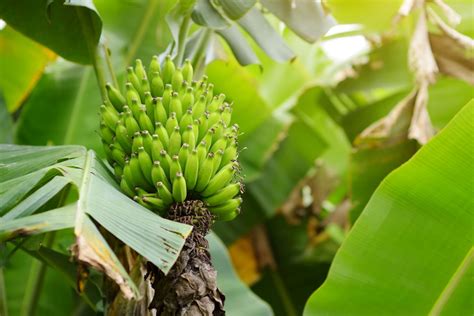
column 330, row 98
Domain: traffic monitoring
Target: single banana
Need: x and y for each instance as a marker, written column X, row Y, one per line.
column 177, row 79
column 191, row 169
column 150, row 107
column 165, row 161
column 139, row 69
column 122, row 137
column 168, row 69
column 147, row 141
column 159, row 175
column 228, row 216
column 154, row 66
column 187, row 71
column 156, row 147
column 159, row 111
column 220, row 180
column 144, row 120
column 146, row 164
column 230, row 154
column 164, row 193
column 131, row 124
column 183, row 154
column 205, row 173
column 137, row 141
column 139, row 179
column 199, row 107
column 187, row 100
column 106, row 133
column 133, row 79
column 157, row 86
column 226, row 208
column 126, row 188
column 179, row 188
column 217, row 161
column 186, row 120
column 175, row 106
column 167, row 97
column 171, row 123
column 109, row 116
column 175, row 141
column 118, row 155
column 131, row 93
column 223, row 194
column 160, row 130
column 175, row 167
column 189, row 137
column 115, row 97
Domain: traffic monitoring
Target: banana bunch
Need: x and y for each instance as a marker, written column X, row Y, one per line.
column 169, row 138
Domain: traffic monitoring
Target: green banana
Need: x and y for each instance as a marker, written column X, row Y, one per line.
column 159, row 111
column 118, row 155
column 168, row 135
column 137, row 141
column 205, row 173
column 115, row 97
column 217, row 161
column 175, row 141
column 144, row 120
column 226, row 208
column 133, row 79
column 131, row 94
column 109, row 116
column 147, row 141
column 191, row 169
column 175, row 166
column 162, row 134
column 183, row 154
column 157, row 86
column 187, row 71
column 179, row 188
column 145, row 164
column 164, row 193
column 156, row 147
column 188, row 136
column 223, row 194
column 177, row 79
column 159, row 175
column 166, row 98
column 228, row 216
column 131, row 124
column 155, row 204
column 220, row 180
column 150, row 107
column 126, row 188
column 187, row 100
column 165, row 161
column 154, row 66
column 139, row 69
column 168, row 69
column 175, row 106
column 106, row 134
column 139, row 179
column 171, row 123
column 122, row 137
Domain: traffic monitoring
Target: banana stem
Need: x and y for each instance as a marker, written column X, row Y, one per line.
column 88, row 29
column 35, row 282
column 197, row 60
column 183, row 33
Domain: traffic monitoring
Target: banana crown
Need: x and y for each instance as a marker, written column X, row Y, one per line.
column 169, row 138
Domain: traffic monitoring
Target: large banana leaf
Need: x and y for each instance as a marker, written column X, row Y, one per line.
column 411, row 250
column 30, row 176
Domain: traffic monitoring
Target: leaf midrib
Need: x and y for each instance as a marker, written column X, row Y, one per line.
column 453, row 282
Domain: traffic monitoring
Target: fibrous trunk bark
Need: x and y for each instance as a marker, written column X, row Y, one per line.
column 190, row 288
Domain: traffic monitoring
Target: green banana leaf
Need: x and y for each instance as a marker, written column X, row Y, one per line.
column 31, row 176
column 411, row 250
column 57, row 24
column 235, row 290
